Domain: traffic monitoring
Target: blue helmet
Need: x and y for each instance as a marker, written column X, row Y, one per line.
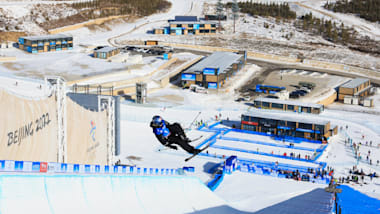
column 157, row 121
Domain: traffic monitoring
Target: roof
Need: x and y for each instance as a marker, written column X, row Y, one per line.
column 286, row 116
column 186, row 18
column 47, row 37
column 288, row 102
column 221, row 60
column 193, row 22
column 105, row 49
column 354, row 83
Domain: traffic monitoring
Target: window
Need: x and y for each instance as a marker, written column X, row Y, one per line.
column 58, row 46
column 257, row 103
column 190, row 25
column 245, row 118
column 291, row 107
column 64, row 46
column 305, row 126
column 265, row 104
column 213, row 31
column 213, row 25
column 202, row 25
column 172, row 31
column 320, row 128
column 40, row 48
column 291, row 124
column 254, row 119
column 300, row 134
column 70, row 45
column 201, row 31
column 52, row 46
column 276, row 105
column 34, row 42
column 249, row 127
column 179, row 25
column 207, row 31
column 281, row 123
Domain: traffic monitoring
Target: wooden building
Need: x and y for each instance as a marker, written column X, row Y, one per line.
column 287, row 124
column 213, row 71
column 287, row 105
column 359, row 87
column 188, row 25
column 106, row 52
column 46, row 43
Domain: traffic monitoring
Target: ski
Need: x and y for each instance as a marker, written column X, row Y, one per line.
column 195, row 139
column 204, row 148
column 162, row 148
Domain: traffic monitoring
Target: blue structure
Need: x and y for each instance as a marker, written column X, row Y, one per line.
column 351, row 201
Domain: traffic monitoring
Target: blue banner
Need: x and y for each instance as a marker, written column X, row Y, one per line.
column 190, row 77
column 209, row 71
column 63, row 167
column 106, row 169
column 87, row 168
column 19, row 165
column 2, row 164
column 97, row 168
column 305, row 130
column 76, row 168
column 283, row 127
column 212, row 85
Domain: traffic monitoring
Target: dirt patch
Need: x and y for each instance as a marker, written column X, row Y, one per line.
column 13, row 66
column 11, row 36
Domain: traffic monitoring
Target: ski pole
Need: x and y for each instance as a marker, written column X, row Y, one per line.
column 196, row 117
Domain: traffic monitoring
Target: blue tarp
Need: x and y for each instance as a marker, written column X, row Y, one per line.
column 352, row 201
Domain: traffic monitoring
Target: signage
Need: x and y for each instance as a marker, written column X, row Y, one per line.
column 212, row 85
column 305, row 130
column 36, row 166
column 249, row 123
column 43, row 167
column 190, row 77
column 209, row 71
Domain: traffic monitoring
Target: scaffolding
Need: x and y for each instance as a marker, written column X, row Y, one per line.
column 59, row 86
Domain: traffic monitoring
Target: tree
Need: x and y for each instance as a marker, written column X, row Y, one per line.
column 235, row 12
column 219, row 11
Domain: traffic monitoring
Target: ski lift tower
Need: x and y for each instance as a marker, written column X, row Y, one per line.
column 141, row 92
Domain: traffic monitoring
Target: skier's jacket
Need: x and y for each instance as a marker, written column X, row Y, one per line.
column 162, row 133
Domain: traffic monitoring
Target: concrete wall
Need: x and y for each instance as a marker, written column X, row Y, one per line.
column 28, row 128
column 86, row 135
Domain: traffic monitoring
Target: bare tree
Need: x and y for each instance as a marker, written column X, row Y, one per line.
column 219, row 11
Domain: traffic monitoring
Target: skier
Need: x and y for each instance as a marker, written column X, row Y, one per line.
column 169, row 134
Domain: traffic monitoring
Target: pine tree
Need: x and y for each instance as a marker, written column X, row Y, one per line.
column 235, row 12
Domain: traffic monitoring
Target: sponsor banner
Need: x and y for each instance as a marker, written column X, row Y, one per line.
column 53, row 167
column 106, row 169
column 70, row 168
column 76, row 168
column 81, row 168
column 145, row 171
column 28, row 166
column 283, row 127
column 209, row 71
column 87, row 168
column 138, row 170
column 157, row 171
column 43, row 167
column 304, row 130
column 190, row 77
column 131, row 169
column 97, row 168
column 249, row 123
column 63, row 167
column 119, row 169
column 151, row 171
column 18, row 165
column 212, row 85
column 167, row 171
column 36, row 166
column 124, row 169
column 162, row 171
column 115, row 169
column 2, row 165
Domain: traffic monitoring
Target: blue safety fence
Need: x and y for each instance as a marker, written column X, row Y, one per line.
column 216, row 181
column 351, row 201
column 276, row 137
column 53, row 167
column 270, row 144
column 261, row 153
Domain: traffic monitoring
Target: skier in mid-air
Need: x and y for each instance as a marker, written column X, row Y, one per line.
column 169, row 134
